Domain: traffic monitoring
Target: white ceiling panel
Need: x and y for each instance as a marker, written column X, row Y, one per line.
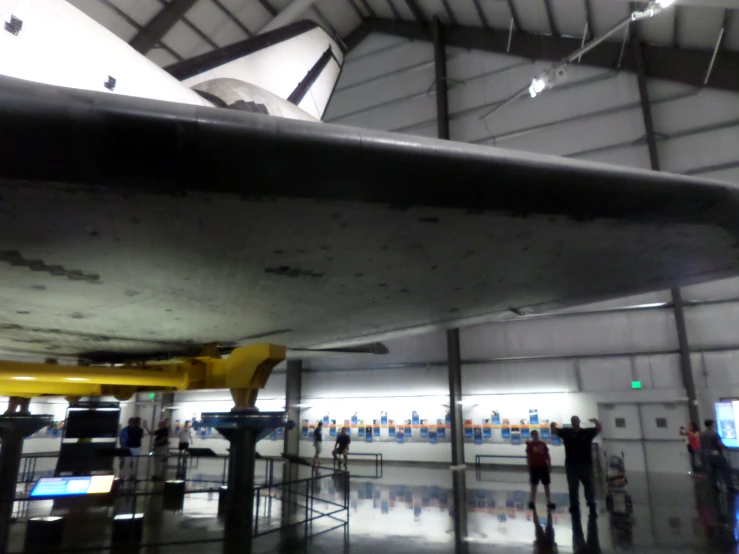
column 432, row 8
column 701, row 27
column 709, row 107
column 373, row 44
column 465, row 12
column 731, row 37
column 608, row 13
column 381, row 9
column 106, row 16
column 249, row 12
column 404, row 10
column 185, row 41
column 340, row 15
column 569, row 15
column 660, row 29
column 629, row 156
column 728, row 175
column 210, row 19
column 161, row 57
column 701, row 150
column 497, row 12
column 141, row 11
column 533, row 15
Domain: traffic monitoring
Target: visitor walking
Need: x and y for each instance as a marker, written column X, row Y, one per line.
column 693, row 436
column 131, row 437
column 712, row 449
column 540, row 468
column 579, row 460
column 317, row 443
column 342, row 447
column 185, row 436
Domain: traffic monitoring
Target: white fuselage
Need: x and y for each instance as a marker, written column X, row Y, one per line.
column 57, row 44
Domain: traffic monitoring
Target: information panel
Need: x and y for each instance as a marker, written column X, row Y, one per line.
column 726, row 422
column 51, row 487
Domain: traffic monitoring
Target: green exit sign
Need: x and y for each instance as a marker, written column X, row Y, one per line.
column 636, row 384
column 153, row 395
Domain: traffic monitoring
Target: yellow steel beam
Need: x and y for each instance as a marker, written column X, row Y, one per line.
column 245, row 371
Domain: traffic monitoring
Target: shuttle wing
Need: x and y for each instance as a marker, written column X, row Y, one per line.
column 134, row 226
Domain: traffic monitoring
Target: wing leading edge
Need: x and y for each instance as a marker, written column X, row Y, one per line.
column 330, row 234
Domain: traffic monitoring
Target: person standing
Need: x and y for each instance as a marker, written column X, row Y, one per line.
column 342, row 447
column 693, row 436
column 131, row 438
column 713, row 455
column 161, row 450
column 317, row 443
column 540, row 468
column 579, row 460
column 185, row 436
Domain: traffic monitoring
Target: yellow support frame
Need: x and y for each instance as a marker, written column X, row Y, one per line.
column 245, row 372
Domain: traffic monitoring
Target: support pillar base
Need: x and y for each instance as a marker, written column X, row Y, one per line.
column 13, row 429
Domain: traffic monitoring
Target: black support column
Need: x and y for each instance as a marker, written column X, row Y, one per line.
column 293, row 389
column 686, row 366
column 289, row 535
column 442, row 99
column 459, row 482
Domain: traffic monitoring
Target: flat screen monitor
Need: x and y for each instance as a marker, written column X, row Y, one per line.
column 727, row 412
column 54, row 487
column 92, row 424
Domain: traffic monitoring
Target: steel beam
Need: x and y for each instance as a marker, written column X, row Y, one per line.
column 394, row 9
column 370, row 11
column 269, row 7
column 449, row 12
column 357, row 11
column 442, row 98
column 686, row 366
column 233, row 18
column 550, row 17
column 514, row 15
column 646, row 107
column 686, row 66
column 416, row 11
column 133, row 23
column 589, row 18
column 154, row 31
column 481, row 14
column 459, row 488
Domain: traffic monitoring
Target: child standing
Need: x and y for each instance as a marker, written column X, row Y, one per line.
column 540, row 466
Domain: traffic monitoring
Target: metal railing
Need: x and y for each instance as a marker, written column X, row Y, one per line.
column 319, row 504
column 478, row 462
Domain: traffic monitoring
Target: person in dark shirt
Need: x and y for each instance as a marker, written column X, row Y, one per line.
column 161, row 450
column 131, row 437
column 579, row 460
column 317, row 443
column 712, row 449
column 342, row 446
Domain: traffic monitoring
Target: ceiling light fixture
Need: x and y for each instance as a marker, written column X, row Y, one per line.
column 24, row 378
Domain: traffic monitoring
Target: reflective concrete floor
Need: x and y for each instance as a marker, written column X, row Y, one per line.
column 410, row 510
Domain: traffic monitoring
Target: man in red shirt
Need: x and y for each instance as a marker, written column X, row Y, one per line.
column 540, row 466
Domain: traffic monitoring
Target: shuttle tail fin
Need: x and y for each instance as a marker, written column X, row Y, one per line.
column 299, row 63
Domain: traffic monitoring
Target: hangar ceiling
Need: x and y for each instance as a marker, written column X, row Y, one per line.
column 192, row 27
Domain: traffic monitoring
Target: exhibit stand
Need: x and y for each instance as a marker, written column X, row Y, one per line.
column 13, row 430
column 242, row 428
